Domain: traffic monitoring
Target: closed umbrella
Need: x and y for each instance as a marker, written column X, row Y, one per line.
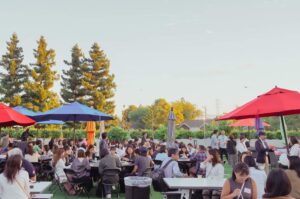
column 171, row 129
column 90, row 131
column 276, row 102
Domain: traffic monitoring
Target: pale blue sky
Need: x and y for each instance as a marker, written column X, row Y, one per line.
column 199, row 50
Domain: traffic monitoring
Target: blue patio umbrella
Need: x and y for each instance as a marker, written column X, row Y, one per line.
column 55, row 122
column 72, row 112
column 25, row 111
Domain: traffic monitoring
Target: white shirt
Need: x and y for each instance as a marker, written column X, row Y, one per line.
column 214, row 142
column 13, row 190
column 213, row 172
column 260, row 177
column 241, row 147
column 295, row 150
column 59, row 171
column 223, row 140
column 32, row 158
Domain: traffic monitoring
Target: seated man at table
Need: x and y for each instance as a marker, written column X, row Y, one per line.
column 25, row 163
column 172, row 169
column 109, row 162
column 142, row 163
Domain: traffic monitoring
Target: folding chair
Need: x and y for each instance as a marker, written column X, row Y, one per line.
column 111, row 172
column 79, row 187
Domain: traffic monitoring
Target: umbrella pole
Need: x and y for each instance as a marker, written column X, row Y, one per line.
column 284, row 134
column 74, row 129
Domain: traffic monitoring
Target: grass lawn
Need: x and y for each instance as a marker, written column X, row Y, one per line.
column 154, row 195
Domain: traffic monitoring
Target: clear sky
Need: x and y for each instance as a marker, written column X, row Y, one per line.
column 210, row 52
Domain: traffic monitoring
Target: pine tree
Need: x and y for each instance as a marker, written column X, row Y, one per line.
column 99, row 82
column 14, row 74
column 72, row 89
column 39, row 96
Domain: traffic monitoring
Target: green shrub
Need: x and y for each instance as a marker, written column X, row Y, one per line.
column 117, row 134
column 183, row 134
column 135, row 134
column 161, row 133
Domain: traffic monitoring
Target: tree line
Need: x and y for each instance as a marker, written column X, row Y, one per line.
column 87, row 79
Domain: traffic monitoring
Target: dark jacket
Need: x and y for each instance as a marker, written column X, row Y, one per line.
column 261, row 151
column 109, row 162
column 103, row 145
column 231, row 147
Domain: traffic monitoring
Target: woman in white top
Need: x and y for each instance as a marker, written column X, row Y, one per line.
column 295, row 147
column 259, row 176
column 14, row 181
column 213, row 170
column 241, row 145
column 30, row 155
column 59, row 165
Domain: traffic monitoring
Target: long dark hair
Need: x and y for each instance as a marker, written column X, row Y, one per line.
column 249, row 160
column 275, row 180
column 12, row 167
column 295, row 164
column 294, row 140
column 241, row 168
column 216, row 156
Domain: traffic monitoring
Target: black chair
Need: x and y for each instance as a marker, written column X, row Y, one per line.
column 112, row 173
column 79, row 187
column 2, row 165
column 273, row 160
column 38, row 170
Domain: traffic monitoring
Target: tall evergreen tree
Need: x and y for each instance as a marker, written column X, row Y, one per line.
column 14, row 74
column 72, row 89
column 99, row 82
column 39, row 96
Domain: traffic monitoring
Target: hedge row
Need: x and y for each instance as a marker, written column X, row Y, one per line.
column 118, row 134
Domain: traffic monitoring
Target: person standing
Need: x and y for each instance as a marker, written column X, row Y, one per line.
column 222, row 139
column 103, row 145
column 214, row 142
column 231, row 150
column 262, row 149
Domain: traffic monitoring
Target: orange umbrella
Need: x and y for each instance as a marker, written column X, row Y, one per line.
column 246, row 122
column 91, row 131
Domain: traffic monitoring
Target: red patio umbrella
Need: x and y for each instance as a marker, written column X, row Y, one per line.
column 10, row 117
column 276, row 102
column 246, row 122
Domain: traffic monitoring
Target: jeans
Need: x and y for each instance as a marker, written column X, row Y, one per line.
column 223, row 152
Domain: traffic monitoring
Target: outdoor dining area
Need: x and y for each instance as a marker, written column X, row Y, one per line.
column 145, row 167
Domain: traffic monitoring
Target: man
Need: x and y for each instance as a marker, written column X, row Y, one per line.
column 223, row 145
column 191, row 149
column 262, row 149
column 172, row 169
column 142, row 163
column 214, row 142
column 109, row 162
column 103, row 144
column 25, row 163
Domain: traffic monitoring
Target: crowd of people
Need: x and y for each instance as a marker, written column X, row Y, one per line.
column 250, row 177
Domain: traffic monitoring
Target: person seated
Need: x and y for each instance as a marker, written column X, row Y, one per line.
column 59, row 164
column 172, row 169
column 90, row 152
column 199, row 157
column 37, row 148
column 81, row 168
column 4, row 142
column 293, row 174
column 283, row 162
column 47, row 152
column 295, row 147
column 129, row 154
column 240, row 185
column 162, row 155
column 120, row 150
column 113, row 152
column 30, row 155
column 14, row 181
column 213, row 170
column 68, row 155
column 142, row 162
column 108, row 162
column 26, row 165
column 184, row 152
column 257, row 175
column 278, row 185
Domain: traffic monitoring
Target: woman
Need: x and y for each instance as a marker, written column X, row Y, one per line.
column 129, row 154
column 59, row 165
column 30, row 155
column 278, row 185
column 162, row 155
column 231, row 150
column 241, row 146
column 259, row 176
column 184, row 152
column 90, row 152
column 295, row 147
column 47, row 152
column 82, row 168
column 213, row 170
column 240, row 185
column 14, row 181
column 293, row 174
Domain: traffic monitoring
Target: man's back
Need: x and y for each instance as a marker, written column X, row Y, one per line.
column 172, row 170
